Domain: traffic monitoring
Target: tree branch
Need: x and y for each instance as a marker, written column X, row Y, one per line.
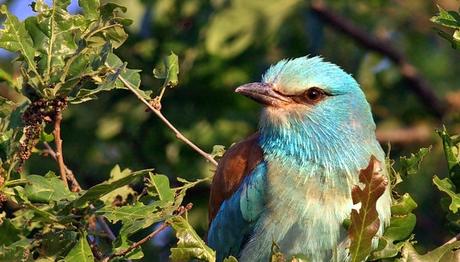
column 57, row 138
column 180, row 211
column 158, row 113
column 77, row 188
column 74, row 185
column 416, row 83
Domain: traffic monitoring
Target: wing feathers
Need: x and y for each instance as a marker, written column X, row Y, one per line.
column 235, row 165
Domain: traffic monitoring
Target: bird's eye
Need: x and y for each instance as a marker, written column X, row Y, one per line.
column 314, row 94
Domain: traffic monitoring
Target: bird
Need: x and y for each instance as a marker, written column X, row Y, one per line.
column 290, row 182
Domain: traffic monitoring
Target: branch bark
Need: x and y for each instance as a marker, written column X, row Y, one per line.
column 415, row 81
column 74, row 185
column 58, row 141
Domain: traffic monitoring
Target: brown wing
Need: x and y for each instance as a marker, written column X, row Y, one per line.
column 235, row 165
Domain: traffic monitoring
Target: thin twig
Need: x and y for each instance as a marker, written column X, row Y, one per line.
column 58, row 141
column 416, row 83
column 181, row 210
column 74, row 185
column 77, row 188
column 158, row 113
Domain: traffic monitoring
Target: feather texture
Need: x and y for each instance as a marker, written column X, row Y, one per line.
column 300, row 194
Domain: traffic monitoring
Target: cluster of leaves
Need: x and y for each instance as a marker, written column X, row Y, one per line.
column 450, row 20
column 68, row 58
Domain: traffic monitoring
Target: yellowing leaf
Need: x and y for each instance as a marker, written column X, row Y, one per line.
column 365, row 222
column 123, row 192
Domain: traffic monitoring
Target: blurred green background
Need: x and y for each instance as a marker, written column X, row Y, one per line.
column 224, row 43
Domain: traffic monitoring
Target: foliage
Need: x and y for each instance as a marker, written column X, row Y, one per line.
column 451, row 20
column 69, row 58
column 65, row 59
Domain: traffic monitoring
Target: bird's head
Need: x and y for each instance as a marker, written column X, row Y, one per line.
column 308, row 100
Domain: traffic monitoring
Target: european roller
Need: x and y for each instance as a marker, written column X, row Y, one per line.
column 290, row 183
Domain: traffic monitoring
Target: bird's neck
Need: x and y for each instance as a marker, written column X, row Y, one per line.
column 333, row 146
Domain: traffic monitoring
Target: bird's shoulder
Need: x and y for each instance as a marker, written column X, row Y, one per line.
column 237, row 163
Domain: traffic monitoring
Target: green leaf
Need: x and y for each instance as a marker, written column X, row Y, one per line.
column 134, row 217
column 399, row 231
column 90, row 8
column 231, row 31
column 447, row 186
column 168, row 70
column 18, row 251
column 97, row 191
column 411, row 165
column 53, row 32
column 447, row 18
column 14, row 37
column 452, row 153
column 190, row 245
column 46, row 189
column 446, row 252
column 57, row 243
column 403, row 205
column 112, row 80
column 8, row 232
column 122, row 192
column 365, row 223
column 162, row 188
column 81, row 252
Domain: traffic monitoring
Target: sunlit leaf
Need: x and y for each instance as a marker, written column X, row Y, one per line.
column 90, row 8
column 447, row 18
column 14, row 37
column 47, row 188
column 447, row 186
column 190, row 245
column 122, row 192
column 444, row 253
column 411, row 165
column 97, row 191
column 17, row 251
column 162, row 188
column 81, row 252
column 452, row 153
column 402, row 224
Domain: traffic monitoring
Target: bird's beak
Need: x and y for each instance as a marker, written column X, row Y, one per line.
column 264, row 94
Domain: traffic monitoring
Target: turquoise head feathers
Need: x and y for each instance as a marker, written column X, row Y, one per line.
column 314, row 111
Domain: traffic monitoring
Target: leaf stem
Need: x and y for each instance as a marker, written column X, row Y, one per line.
column 158, row 113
